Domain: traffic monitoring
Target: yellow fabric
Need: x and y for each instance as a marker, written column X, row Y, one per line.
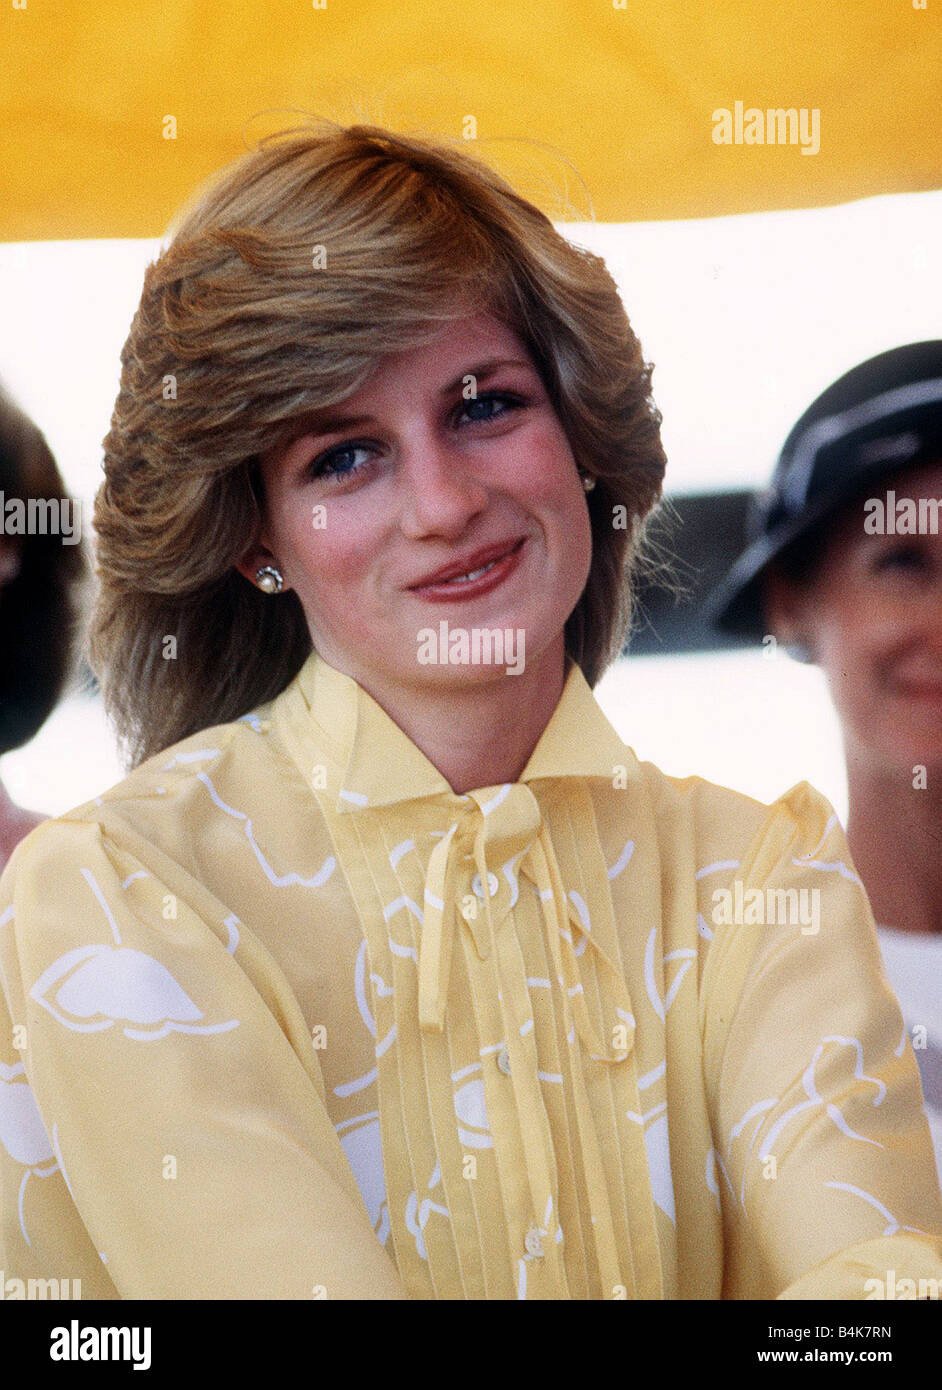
column 286, row 1017
column 112, row 113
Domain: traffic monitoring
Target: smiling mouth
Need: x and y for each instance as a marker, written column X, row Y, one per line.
column 490, row 573
column 470, row 576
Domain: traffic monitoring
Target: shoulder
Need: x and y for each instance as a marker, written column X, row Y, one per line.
column 168, row 801
column 721, row 820
column 221, row 754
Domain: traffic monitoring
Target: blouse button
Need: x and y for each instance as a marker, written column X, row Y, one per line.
column 503, row 1061
column 492, row 886
column 534, row 1243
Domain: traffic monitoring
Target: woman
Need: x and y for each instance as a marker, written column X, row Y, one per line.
column 390, row 972
column 846, row 568
column 42, row 570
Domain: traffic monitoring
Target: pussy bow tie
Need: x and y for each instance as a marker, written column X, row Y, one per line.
column 503, row 830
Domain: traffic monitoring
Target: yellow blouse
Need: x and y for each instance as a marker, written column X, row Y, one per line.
column 287, row 1018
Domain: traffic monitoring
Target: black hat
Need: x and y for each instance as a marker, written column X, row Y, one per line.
column 881, row 416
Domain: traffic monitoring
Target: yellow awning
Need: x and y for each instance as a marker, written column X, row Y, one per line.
column 112, row 112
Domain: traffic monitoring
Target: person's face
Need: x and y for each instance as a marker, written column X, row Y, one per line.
column 872, row 616
column 359, row 516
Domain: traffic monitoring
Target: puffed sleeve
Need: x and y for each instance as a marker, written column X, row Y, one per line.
column 822, row 1161
column 162, row 1114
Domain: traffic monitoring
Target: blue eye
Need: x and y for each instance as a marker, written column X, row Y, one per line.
column 339, row 463
column 334, row 464
column 490, row 398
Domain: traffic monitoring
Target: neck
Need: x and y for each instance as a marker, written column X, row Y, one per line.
column 893, row 830
column 482, row 734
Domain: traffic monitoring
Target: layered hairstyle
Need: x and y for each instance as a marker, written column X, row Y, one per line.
column 41, row 605
column 284, row 283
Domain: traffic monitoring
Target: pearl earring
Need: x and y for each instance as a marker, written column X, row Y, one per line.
column 588, row 482
column 269, row 579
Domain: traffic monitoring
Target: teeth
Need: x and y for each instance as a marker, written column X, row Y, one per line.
column 474, row 574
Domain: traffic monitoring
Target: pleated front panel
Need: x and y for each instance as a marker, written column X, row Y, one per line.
column 514, row 1146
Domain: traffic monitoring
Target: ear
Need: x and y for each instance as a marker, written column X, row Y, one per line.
column 786, row 607
column 255, row 558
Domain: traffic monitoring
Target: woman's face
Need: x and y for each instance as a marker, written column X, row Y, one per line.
column 455, row 450
column 872, row 615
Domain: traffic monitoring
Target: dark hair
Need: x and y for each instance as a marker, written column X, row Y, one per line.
column 40, row 606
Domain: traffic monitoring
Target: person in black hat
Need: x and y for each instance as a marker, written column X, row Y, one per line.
column 845, row 568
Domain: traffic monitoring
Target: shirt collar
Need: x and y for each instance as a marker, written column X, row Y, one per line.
column 382, row 766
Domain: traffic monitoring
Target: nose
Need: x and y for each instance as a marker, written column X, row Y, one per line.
column 440, row 493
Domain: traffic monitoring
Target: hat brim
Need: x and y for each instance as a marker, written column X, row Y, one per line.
column 736, row 606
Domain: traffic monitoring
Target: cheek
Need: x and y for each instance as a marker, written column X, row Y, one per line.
column 849, row 652
column 839, row 646
column 861, row 631
column 556, row 467
column 578, row 543
column 323, row 548
column 553, row 486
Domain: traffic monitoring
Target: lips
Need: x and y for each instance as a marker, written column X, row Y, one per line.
column 468, row 564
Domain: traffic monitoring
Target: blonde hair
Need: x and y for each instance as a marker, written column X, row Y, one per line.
column 237, row 337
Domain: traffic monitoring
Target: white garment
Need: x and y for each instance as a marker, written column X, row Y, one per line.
column 913, row 962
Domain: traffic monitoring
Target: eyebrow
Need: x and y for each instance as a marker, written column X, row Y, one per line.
column 327, row 422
